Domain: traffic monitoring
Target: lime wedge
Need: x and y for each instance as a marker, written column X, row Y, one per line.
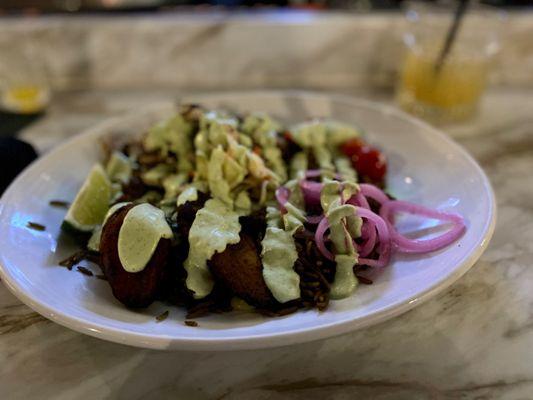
column 91, row 203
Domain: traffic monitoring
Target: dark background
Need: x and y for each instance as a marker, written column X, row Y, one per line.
column 113, row 6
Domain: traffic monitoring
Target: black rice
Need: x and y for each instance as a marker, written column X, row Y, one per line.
column 59, row 203
column 199, row 311
column 84, row 271
column 78, row 256
column 315, row 271
column 219, row 301
column 73, row 259
column 36, row 226
column 161, row 317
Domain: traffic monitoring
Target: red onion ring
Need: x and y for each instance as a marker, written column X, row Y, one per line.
column 384, row 239
column 377, row 230
column 407, row 245
column 368, row 230
column 313, row 173
column 311, row 192
column 323, row 226
column 282, row 196
column 368, row 234
column 373, row 192
column 314, row 219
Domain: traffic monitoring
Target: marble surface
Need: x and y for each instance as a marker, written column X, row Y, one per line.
column 474, row 341
column 234, row 50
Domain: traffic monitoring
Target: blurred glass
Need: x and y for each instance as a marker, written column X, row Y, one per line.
column 453, row 91
column 23, row 85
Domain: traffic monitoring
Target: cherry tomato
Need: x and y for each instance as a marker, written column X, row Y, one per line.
column 371, row 163
column 367, row 160
column 352, row 147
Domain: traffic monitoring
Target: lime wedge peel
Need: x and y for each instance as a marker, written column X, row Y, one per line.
column 90, row 206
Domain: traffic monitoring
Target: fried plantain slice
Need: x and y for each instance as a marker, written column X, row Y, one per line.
column 139, row 289
column 239, row 268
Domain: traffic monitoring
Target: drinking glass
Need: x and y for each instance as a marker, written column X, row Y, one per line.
column 23, row 85
column 452, row 90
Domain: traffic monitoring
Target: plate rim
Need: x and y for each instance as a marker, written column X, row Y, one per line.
column 166, row 342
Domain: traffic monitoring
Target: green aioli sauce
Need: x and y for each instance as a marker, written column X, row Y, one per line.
column 322, row 139
column 344, row 226
column 263, row 130
column 173, row 135
column 189, row 194
column 293, row 219
column 119, row 167
column 345, row 169
column 94, row 241
column 143, row 227
column 220, row 159
column 173, row 184
column 243, row 203
column 214, row 227
column 296, row 197
column 218, row 186
column 278, row 255
column 113, row 209
column 224, row 167
column 324, row 158
column 155, row 175
column 323, row 133
column 299, row 165
column 345, row 281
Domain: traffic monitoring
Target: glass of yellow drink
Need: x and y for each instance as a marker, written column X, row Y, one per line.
column 452, row 90
column 23, row 85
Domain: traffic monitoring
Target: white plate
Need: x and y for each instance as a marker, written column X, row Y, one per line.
column 425, row 167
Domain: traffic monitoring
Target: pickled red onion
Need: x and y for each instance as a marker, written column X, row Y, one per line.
column 282, row 196
column 314, row 219
column 368, row 230
column 313, row 173
column 321, row 229
column 368, row 234
column 311, row 192
column 373, row 192
column 407, row 245
column 383, row 238
column 377, row 230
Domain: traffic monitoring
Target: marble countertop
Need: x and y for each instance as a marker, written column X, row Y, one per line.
column 226, row 50
column 474, row 341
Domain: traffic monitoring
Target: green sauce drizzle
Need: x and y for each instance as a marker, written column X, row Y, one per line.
column 143, row 227
column 215, row 226
column 279, row 254
column 344, row 225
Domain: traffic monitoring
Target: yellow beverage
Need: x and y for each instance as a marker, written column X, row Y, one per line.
column 450, row 93
column 25, row 99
